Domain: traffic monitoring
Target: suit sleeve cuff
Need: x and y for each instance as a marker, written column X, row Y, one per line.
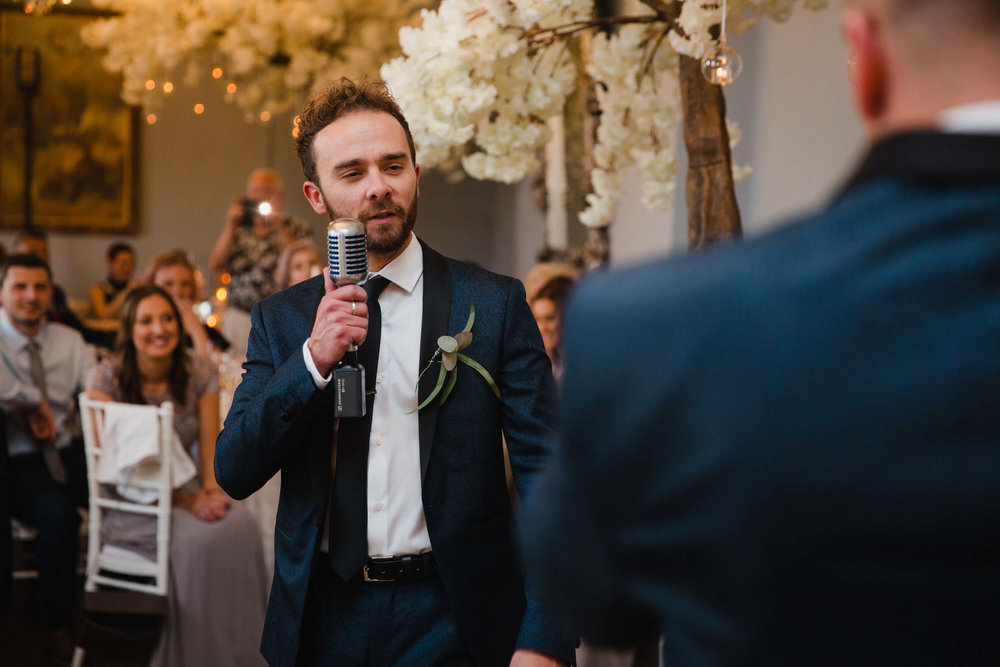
column 318, row 379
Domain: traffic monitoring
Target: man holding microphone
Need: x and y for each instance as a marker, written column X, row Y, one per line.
column 404, row 552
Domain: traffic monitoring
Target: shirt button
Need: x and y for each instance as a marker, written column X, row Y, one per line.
column 378, row 507
column 378, row 441
column 378, row 379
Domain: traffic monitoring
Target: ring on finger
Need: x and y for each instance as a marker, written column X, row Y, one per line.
column 354, row 308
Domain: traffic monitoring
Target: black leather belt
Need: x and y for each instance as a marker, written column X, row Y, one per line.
column 400, row 568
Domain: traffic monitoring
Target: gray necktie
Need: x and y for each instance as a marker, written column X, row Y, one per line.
column 48, row 447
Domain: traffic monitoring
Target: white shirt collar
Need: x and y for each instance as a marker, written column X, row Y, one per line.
column 11, row 333
column 976, row 118
column 405, row 270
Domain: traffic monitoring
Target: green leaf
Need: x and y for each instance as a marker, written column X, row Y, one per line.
column 448, row 386
column 475, row 365
column 433, row 393
column 448, row 344
column 472, row 316
column 463, row 339
column 426, row 368
column 449, row 361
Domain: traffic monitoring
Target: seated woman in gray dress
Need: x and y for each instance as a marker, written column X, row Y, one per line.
column 217, row 591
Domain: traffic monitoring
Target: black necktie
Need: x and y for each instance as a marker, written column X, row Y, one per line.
column 47, row 446
column 349, row 503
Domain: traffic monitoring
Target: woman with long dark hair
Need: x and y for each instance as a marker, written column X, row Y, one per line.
column 217, row 587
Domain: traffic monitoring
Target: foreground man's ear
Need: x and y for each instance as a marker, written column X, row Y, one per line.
column 868, row 66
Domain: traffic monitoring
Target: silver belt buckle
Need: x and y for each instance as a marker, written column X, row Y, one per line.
column 367, row 576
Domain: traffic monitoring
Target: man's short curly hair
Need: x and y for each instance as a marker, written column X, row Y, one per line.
column 338, row 100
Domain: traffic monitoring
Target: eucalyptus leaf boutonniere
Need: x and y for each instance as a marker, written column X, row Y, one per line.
column 448, row 354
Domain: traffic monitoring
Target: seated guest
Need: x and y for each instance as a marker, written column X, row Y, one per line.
column 217, row 583
column 542, row 272
column 36, row 242
column 106, row 298
column 300, row 260
column 42, row 368
column 546, row 305
column 175, row 273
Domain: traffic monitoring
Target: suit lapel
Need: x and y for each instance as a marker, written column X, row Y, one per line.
column 436, row 310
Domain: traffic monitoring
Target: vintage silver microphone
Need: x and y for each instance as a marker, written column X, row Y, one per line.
column 348, row 256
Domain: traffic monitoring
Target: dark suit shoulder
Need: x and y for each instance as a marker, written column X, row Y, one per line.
column 462, row 272
column 302, row 296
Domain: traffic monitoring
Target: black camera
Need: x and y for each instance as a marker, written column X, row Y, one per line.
column 250, row 211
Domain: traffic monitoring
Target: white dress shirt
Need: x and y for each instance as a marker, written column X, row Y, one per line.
column 67, row 361
column 396, row 522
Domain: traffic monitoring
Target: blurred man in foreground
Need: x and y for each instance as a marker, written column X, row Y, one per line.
column 796, row 460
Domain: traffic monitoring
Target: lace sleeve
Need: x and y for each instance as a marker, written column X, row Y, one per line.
column 104, row 378
column 204, row 376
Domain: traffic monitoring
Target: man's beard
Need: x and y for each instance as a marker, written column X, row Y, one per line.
column 385, row 239
column 27, row 322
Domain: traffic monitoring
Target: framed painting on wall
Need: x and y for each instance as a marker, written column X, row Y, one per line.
column 84, row 143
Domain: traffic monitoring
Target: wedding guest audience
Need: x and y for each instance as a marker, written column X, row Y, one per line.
column 299, row 261
column 249, row 245
column 787, row 451
column 106, row 297
column 176, row 274
column 217, row 583
column 43, row 366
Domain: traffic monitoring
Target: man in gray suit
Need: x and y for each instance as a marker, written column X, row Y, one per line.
column 796, row 461
column 405, row 553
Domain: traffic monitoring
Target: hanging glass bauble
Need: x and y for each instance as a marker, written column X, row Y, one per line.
column 722, row 65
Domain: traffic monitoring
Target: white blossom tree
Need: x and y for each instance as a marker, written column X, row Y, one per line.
column 479, row 79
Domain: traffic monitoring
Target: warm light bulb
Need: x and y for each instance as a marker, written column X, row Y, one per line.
column 225, row 278
column 150, row 84
column 217, row 73
column 168, row 87
column 231, row 88
column 722, row 65
column 199, row 108
column 221, row 294
column 150, row 119
column 212, row 320
column 265, row 116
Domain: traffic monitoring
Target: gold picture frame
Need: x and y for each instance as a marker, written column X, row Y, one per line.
column 85, row 138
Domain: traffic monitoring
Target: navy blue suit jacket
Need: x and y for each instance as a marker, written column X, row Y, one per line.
column 787, row 451
column 280, row 421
